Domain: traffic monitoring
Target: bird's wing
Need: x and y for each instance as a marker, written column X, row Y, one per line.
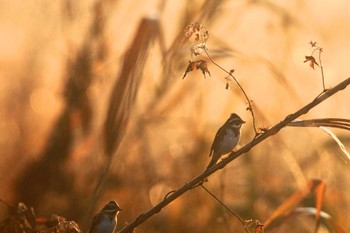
column 94, row 222
column 218, row 137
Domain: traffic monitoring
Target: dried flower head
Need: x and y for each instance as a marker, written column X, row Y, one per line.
column 197, row 35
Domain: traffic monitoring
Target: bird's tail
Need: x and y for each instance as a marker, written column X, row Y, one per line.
column 213, row 161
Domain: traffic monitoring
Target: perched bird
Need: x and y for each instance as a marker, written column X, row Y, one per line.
column 106, row 220
column 226, row 138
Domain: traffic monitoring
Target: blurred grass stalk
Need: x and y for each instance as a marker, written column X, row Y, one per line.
column 123, row 98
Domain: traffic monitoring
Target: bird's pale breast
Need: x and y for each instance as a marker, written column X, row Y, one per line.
column 106, row 225
column 229, row 141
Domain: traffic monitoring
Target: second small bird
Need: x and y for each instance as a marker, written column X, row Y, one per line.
column 106, row 220
column 226, row 139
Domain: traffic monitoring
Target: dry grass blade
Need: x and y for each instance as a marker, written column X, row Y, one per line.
column 287, row 207
column 312, row 211
column 340, row 144
column 327, row 122
column 331, row 224
column 320, row 191
column 126, row 86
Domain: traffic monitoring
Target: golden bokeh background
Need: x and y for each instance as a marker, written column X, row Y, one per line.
column 90, row 83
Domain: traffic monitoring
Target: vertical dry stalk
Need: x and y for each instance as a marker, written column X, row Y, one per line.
column 127, row 84
column 123, row 96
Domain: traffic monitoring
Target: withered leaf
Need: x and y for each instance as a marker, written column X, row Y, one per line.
column 313, row 44
column 312, row 61
column 259, row 229
column 200, row 64
column 189, row 68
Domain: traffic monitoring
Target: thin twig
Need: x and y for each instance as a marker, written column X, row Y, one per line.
column 320, row 50
column 240, row 87
column 226, row 207
column 321, row 66
column 200, row 178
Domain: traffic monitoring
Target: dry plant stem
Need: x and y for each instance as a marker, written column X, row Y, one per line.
column 321, row 66
column 319, row 49
column 197, row 181
column 240, row 87
column 123, row 98
column 236, row 215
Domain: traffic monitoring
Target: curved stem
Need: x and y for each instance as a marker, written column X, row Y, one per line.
column 320, row 50
column 236, row 215
column 321, row 66
column 240, row 87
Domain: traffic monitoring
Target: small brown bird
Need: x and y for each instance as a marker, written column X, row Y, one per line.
column 226, row 139
column 106, row 220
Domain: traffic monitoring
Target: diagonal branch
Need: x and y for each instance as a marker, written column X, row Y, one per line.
column 197, row 181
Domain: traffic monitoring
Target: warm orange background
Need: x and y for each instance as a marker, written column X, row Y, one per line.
column 173, row 121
